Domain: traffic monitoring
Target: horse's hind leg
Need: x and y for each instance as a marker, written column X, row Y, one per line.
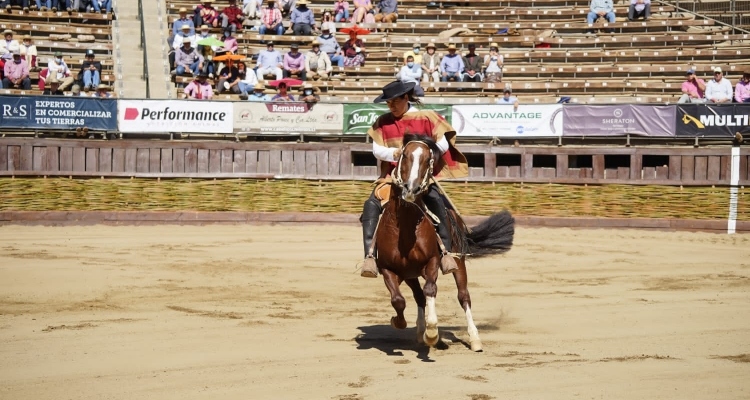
column 464, row 299
column 392, row 282
column 431, row 334
column 420, row 299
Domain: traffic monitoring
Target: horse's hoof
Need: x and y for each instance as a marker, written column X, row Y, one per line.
column 448, row 265
column 369, row 268
column 395, row 323
column 476, row 345
column 431, row 337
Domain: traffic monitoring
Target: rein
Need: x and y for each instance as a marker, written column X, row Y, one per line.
column 427, row 174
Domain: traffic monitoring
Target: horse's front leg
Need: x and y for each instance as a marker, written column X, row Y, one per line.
column 431, row 335
column 420, row 300
column 464, row 299
column 392, row 282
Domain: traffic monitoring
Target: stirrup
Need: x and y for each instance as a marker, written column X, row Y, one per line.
column 448, row 264
column 369, row 268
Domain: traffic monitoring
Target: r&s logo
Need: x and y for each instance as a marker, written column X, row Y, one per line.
column 11, row 112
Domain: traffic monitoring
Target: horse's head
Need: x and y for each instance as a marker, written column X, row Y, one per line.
column 414, row 170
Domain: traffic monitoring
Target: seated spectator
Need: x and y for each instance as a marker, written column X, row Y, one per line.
column 229, row 78
column 303, row 20
column 317, row 63
column 183, row 20
column 361, row 9
column 102, row 6
column 508, row 99
column 473, row 65
column 62, row 5
column 387, row 11
column 269, row 62
column 599, row 9
column 493, row 62
column 415, row 53
column 286, row 6
column 187, row 58
column 431, row 65
column 82, row 5
column 59, row 70
column 44, row 5
column 16, row 73
column 206, row 14
column 7, row 45
column 330, row 46
column 199, row 88
column 271, row 21
column 327, row 19
column 341, row 11
column 719, row 89
column 231, row 17
column 294, row 63
column 693, row 89
column 354, row 52
column 29, row 52
column 259, row 93
column 309, row 94
column 20, row 3
column 102, row 91
column 639, row 9
column 451, row 65
column 91, row 71
column 248, row 80
column 282, row 95
column 411, row 72
column 184, row 34
column 54, row 87
column 230, row 44
column 75, row 91
column 742, row 90
column 252, row 9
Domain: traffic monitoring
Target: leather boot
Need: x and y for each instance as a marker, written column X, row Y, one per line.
column 434, row 202
column 370, row 216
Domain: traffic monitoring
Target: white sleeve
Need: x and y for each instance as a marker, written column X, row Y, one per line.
column 382, row 152
column 443, row 145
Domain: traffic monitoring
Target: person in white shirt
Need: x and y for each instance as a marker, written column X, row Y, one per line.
column 431, row 64
column 411, row 72
column 493, row 70
column 719, row 90
column 247, row 84
column 59, row 69
column 184, row 33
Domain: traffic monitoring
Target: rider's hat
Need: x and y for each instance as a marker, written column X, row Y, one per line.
column 395, row 89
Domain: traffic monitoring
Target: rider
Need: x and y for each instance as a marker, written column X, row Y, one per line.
column 387, row 134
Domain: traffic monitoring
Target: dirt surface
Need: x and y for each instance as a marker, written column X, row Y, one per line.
column 279, row 312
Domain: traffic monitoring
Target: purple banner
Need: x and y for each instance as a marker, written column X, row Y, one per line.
column 618, row 120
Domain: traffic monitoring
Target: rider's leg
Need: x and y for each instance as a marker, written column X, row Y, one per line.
column 434, row 203
column 370, row 215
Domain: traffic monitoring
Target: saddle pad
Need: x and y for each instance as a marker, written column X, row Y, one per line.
column 383, row 190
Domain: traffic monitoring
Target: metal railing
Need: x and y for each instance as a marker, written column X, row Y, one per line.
column 734, row 13
column 143, row 47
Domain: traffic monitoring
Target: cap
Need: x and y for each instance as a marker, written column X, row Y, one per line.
column 507, row 91
column 308, row 86
column 494, row 44
column 90, row 52
column 302, row 2
column 58, row 54
column 718, row 70
column 259, row 86
column 75, row 89
column 690, row 71
column 183, row 10
column 294, row 46
column 431, row 45
column 186, row 40
column 26, row 37
column 452, row 46
column 185, row 28
column 315, row 43
column 269, row 43
column 7, row 32
column 203, row 27
column 417, row 45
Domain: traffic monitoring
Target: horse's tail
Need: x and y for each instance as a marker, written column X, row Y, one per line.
column 494, row 235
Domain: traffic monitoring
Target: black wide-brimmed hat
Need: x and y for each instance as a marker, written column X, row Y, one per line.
column 395, row 89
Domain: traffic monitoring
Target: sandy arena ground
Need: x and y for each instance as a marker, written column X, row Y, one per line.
column 278, row 312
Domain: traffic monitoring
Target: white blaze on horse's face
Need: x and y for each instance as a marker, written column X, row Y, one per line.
column 412, row 183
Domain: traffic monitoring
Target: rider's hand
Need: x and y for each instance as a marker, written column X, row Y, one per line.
column 396, row 154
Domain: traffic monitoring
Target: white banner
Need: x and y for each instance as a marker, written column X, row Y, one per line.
column 288, row 117
column 501, row 120
column 196, row 116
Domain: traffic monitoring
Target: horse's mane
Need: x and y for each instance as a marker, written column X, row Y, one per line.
column 430, row 142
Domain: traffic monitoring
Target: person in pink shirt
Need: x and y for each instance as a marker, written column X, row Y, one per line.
column 693, row 89
column 742, row 90
column 294, row 63
column 16, row 72
column 341, row 11
column 199, row 88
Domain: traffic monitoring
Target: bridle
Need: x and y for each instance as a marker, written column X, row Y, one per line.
column 424, row 184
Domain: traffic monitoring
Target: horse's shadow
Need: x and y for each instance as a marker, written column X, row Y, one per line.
column 393, row 341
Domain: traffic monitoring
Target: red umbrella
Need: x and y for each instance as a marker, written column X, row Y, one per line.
column 356, row 29
column 289, row 82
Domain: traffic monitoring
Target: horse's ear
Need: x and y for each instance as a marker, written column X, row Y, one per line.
column 409, row 137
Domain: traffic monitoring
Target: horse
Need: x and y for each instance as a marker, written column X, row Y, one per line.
column 408, row 246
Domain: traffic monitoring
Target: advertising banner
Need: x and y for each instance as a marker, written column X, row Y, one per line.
column 712, row 119
column 618, row 120
column 501, row 120
column 141, row 116
column 58, row 112
column 358, row 118
column 286, row 118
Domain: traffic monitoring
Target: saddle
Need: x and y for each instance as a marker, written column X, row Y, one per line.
column 383, row 193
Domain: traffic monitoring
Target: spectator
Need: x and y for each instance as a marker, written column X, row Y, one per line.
column 231, row 17
column 431, row 65
column 102, row 6
column 411, row 72
column 294, row 63
column 451, row 65
column 91, row 71
column 199, row 88
column 693, row 89
column 57, row 68
column 354, row 53
column 183, row 20
column 599, row 9
column 54, row 87
column 286, row 6
column 719, row 89
column 75, row 91
column 341, row 11
column 269, row 62
column 7, row 45
column 493, row 71
column 259, row 93
column 508, row 99
column 303, row 20
column 252, row 8
column 184, row 34
column 187, row 59
column 62, row 5
column 282, row 95
column 309, row 94
column 387, row 11
column 317, row 63
column 330, row 46
column 473, row 65
column 230, row 44
column 247, row 82
column 44, row 5
column 102, row 91
column 327, row 19
column 361, row 9
column 415, row 53
column 742, row 90
column 29, row 52
column 16, row 73
column 271, row 21
column 639, row 9
column 21, row 3
column 229, row 78
column 206, row 14
column 82, row 5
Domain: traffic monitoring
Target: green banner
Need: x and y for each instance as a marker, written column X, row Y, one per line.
column 358, row 118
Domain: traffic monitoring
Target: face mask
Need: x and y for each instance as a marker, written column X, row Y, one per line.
column 17, row 61
column 308, row 92
column 410, row 64
column 416, row 51
column 59, row 59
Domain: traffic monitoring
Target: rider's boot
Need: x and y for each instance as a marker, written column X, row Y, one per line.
column 434, row 202
column 369, row 219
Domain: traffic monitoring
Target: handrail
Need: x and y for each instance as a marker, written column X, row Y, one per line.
column 143, row 47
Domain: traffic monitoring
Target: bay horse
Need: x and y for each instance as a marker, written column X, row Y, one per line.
column 407, row 243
